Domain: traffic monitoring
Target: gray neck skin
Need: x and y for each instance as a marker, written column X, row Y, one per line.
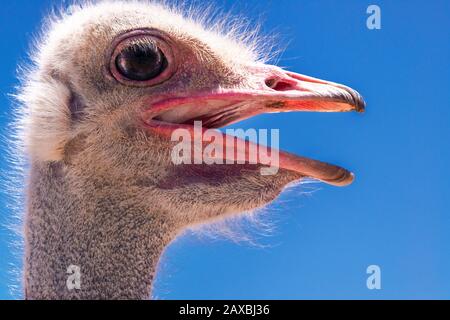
column 114, row 241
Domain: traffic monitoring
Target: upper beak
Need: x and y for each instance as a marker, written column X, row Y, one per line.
column 270, row 89
column 295, row 92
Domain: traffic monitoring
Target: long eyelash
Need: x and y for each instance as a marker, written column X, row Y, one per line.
column 141, row 43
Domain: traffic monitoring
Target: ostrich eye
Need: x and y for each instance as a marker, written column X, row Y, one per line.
column 141, row 62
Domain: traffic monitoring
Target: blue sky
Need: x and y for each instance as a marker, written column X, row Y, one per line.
column 397, row 213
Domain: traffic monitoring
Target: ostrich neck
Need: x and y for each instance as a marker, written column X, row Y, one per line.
column 114, row 241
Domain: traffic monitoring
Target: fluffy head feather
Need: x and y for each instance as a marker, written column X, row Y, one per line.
column 56, row 68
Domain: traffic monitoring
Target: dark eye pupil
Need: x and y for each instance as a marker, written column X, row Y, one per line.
column 141, row 62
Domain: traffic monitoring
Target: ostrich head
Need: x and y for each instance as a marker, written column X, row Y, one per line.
column 112, row 82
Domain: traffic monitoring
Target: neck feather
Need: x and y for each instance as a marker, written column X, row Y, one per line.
column 113, row 240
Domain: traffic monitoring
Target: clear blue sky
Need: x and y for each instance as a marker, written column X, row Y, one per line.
column 396, row 214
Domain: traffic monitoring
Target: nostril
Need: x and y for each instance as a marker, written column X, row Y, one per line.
column 282, row 86
column 279, row 85
column 271, row 82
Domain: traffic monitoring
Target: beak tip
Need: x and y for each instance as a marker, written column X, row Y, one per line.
column 351, row 178
column 358, row 102
column 361, row 106
column 345, row 180
column 348, row 180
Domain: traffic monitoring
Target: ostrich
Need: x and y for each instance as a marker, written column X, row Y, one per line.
column 111, row 82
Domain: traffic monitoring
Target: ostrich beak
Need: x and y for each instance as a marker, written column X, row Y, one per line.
column 296, row 92
column 271, row 90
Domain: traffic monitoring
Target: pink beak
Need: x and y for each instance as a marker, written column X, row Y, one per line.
column 271, row 90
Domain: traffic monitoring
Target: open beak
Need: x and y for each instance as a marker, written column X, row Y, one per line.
column 270, row 90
